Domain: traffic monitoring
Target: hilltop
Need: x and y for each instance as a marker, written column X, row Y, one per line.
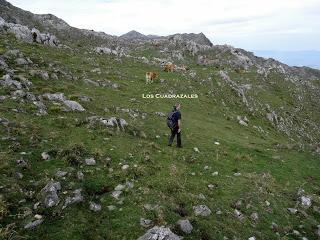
column 85, row 156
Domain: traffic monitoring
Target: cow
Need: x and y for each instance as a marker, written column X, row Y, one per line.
column 168, row 67
column 150, row 76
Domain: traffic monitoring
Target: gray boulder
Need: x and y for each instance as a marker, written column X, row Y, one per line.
column 8, row 82
column 185, row 226
column 42, row 109
column 159, row 233
column 94, row 207
column 73, row 105
column 77, row 198
column 21, row 61
column 54, row 96
column 90, row 161
column 306, row 201
column 51, row 194
column 60, row 174
column 201, row 210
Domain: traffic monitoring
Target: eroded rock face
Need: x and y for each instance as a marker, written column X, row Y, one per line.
column 159, row 233
column 8, row 82
column 25, row 34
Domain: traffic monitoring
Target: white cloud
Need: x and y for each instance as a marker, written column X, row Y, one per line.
column 272, row 24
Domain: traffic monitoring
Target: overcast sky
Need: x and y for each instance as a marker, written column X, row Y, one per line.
column 249, row 24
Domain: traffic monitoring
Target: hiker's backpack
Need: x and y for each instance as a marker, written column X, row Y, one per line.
column 170, row 120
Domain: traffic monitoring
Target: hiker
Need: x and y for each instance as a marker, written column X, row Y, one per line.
column 174, row 123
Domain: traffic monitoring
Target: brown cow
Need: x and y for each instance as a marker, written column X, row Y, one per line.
column 150, row 76
column 168, row 67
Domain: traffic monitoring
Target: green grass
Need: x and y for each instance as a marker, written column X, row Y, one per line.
column 162, row 175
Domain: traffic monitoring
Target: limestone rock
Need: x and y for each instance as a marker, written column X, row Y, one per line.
column 201, row 210
column 94, row 207
column 159, row 233
column 73, row 105
column 185, row 226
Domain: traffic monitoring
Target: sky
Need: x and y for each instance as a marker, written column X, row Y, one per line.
column 280, row 25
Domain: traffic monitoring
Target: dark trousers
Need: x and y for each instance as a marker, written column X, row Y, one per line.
column 175, row 132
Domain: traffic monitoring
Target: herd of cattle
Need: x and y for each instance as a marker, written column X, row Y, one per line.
column 151, row 76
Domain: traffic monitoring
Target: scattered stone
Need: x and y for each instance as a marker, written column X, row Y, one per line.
column 51, row 194
column 42, row 109
column 292, row 210
column 238, row 214
column 242, row 121
column 305, row 201
column 125, row 167
column 8, row 82
column 160, row 114
column 75, row 199
column 215, row 174
column 237, row 174
column 73, row 105
column 21, row 61
column 90, row 161
column 146, row 222
column 212, row 186
column 54, row 96
column 112, row 207
column 219, row 212
column 80, row 175
column 254, row 217
column 37, row 216
column 60, row 174
column 201, row 210
column 18, row 175
column 85, row 99
column 94, row 207
column 185, row 226
column 252, row 238
column 295, row 232
column 196, row 149
column 33, row 224
column 267, row 203
column 159, row 233
column 116, row 194
column 45, row 156
column 2, row 98
column 39, row 73
column 120, row 187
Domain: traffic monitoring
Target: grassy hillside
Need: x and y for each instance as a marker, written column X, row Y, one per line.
column 258, row 171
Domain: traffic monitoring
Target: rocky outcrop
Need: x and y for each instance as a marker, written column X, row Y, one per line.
column 118, row 123
column 25, row 34
column 59, row 97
